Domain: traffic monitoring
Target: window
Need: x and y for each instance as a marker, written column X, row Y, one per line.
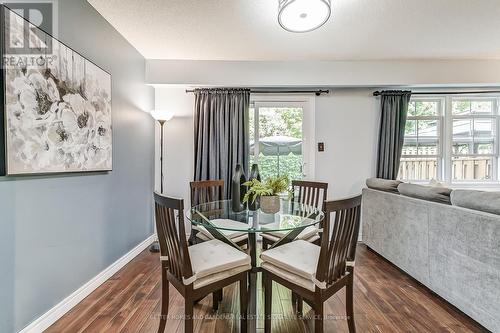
column 452, row 139
column 421, row 158
column 474, row 139
column 278, row 137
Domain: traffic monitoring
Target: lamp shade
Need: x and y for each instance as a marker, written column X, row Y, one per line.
column 303, row 15
column 161, row 115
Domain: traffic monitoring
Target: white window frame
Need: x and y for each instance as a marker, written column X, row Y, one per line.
column 308, row 133
column 449, row 139
column 440, row 129
column 445, row 162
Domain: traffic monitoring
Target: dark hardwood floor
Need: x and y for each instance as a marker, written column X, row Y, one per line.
column 385, row 300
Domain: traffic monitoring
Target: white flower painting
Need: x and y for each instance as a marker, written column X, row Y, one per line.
column 57, row 113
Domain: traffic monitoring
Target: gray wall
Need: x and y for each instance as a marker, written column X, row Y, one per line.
column 58, row 232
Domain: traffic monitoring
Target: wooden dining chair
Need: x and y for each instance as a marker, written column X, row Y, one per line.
column 308, row 193
column 314, row 272
column 198, row 270
column 206, row 191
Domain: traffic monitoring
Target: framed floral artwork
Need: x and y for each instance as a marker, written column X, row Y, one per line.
column 57, row 104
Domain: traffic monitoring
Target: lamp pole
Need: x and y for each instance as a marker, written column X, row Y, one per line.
column 155, row 247
column 162, row 122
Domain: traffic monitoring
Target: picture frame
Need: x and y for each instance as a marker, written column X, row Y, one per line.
column 57, row 104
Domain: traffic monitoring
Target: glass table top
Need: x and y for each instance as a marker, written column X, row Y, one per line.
column 221, row 216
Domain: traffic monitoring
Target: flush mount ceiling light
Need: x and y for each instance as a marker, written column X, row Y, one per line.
column 303, row 15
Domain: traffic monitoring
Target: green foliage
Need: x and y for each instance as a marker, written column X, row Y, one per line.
column 289, row 165
column 274, row 121
column 420, row 108
column 272, row 186
column 280, row 121
column 417, row 109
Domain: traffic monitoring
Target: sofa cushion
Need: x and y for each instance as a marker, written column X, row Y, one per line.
column 478, row 200
column 429, row 193
column 385, row 185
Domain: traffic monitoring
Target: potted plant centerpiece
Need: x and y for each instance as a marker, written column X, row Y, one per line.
column 267, row 192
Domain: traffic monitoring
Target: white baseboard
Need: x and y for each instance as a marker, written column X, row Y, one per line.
column 51, row 316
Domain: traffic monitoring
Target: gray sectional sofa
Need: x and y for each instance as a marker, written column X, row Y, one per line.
column 453, row 251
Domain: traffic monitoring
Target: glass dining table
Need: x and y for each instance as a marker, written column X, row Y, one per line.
column 225, row 223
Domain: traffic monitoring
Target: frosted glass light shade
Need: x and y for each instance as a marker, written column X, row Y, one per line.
column 303, row 15
column 162, row 115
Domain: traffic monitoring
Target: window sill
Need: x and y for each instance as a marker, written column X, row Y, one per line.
column 476, row 185
column 480, row 186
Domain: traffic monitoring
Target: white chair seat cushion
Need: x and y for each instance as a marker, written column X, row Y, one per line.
column 298, row 257
column 205, row 281
column 270, row 237
column 306, row 234
column 286, row 275
column 203, row 237
column 225, row 223
column 313, row 238
column 216, row 258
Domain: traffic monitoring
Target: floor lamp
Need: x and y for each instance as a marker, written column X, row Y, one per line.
column 162, row 117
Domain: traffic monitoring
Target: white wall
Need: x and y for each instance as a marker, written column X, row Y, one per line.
column 325, row 73
column 178, row 147
column 346, row 121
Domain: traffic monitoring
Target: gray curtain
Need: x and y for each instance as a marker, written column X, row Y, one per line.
column 221, row 138
column 394, row 105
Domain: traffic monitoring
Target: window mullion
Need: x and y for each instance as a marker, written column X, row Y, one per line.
column 448, row 140
column 496, row 160
column 256, row 145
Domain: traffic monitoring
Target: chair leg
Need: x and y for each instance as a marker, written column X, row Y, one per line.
column 192, row 238
column 265, row 244
column 215, row 301
column 349, row 303
column 243, row 304
column 299, row 306
column 216, row 298
column 164, row 301
column 294, row 300
column 188, row 316
column 318, row 318
column 268, row 298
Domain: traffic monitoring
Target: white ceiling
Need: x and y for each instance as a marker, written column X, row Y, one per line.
column 357, row 30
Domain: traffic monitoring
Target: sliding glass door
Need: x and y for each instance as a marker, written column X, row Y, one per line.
column 279, row 138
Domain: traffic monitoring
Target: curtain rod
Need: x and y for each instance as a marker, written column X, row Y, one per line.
column 317, row 92
column 378, row 93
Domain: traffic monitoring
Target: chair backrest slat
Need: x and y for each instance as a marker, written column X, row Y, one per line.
column 169, row 213
column 308, row 193
column 339, row 240
column 206, row 191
